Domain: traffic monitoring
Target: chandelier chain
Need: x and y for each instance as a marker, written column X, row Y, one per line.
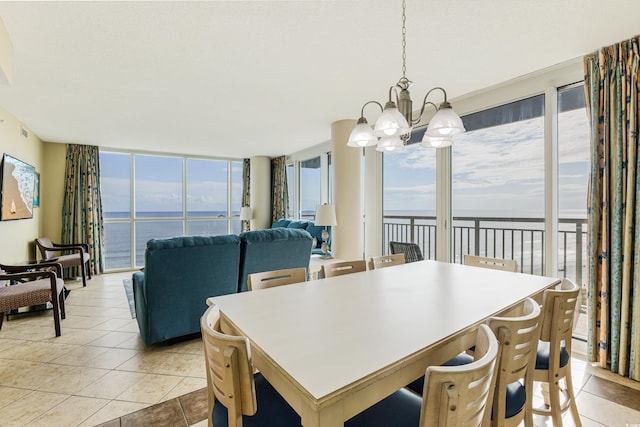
column 404, row 39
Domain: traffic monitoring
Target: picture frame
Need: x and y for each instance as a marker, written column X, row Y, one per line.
column 17, row 186
column 36, row 190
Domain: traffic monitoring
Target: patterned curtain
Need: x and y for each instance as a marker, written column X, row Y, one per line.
column 612, row 97
column 82, row 205
column 279, row 191
column 246, row 188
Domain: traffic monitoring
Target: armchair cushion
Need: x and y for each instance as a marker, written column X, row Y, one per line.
column 281, row 223
column 272, row 249
column 180, row 274
column 298, row 224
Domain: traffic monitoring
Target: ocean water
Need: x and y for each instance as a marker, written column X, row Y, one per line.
column 526, row 245
column 24, row 174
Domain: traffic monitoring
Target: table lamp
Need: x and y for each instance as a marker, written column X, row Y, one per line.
column 246, row 215
column 325, row 216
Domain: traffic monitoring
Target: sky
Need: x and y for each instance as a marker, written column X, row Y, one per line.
column 496, row 170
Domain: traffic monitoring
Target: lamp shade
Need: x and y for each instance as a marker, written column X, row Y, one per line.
column 388, row 144
column 362, row 136
column 325, row 215
column 445, row 123
column 245, row 213
column 391, row 122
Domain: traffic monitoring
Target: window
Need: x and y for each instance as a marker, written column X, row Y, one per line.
column 498, row 184
column 409, row 197
column 310, row 181
column 168, row 196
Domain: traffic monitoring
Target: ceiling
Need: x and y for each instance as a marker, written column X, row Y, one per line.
column 243, row 78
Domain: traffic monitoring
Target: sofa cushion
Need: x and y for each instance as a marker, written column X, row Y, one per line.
column 302, row 224
column 280, row 223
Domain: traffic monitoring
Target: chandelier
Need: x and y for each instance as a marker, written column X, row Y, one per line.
column 393, row 128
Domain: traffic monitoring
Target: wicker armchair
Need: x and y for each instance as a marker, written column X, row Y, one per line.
column 411, row 251
column 72, row 255
column 30, row 285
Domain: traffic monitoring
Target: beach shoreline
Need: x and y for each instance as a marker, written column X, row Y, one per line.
column 10, row 192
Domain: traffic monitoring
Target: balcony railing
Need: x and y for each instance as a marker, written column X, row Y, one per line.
column 521, row 239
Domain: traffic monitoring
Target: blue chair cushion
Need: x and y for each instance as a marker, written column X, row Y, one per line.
column 516, row 398
column 400, row 409
column 281, row 223
column 542, row 357
column 272, row 409
column 461, row 359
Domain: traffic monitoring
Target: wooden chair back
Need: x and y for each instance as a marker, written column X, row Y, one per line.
column 229, row 370
column 517, row 332
column 492, row 263
column 344, row 267
column 386, row 261
column 270, row 279
column 411, row 251
column 460, row 395
column 558, row 309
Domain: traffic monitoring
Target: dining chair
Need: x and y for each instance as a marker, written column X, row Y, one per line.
column 411, row 251
column 236, row 396
column 492, row 263
column 69, row 255
column 517, row 331
column 31, row 285
column 553, row 359
column 269, row 279
column 454, row 396
column 386, row 261
column 343, row 267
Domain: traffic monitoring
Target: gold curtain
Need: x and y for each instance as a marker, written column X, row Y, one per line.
column 279, row 189
column 82, row 204
column 612, row 94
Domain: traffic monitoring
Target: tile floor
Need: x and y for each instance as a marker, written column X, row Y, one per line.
column 100, row 372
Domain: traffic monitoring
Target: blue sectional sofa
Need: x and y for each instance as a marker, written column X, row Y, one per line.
column 310, row 227
column 182, row 272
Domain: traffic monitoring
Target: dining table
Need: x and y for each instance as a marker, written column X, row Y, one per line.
column 334, row 347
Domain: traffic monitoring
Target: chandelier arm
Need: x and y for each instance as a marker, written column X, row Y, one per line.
column 370, row 102
column 424, row 106
column 444, row 92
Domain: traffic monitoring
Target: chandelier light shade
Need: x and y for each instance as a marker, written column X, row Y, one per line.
column 362, row 135
column 391, row 122
column 393, row 128
column 390, row 143
column 445, row 123
column 436, row 141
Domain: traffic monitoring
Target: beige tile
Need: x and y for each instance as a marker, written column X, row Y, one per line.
column 131, row 326
column 187, row 385
column 114, row 325
column 80, row 356
column 203, row 423
column 112, row 410
column 193, row 346
column 23, row 374
column 83, row 322
column 29, row 407
column 606, row 412
column 112, row 384
column 118, row 313
column 71, row 412
column 21, row 331
column 79, row 336
column 134, row 343
column 112, row 358
column 112, row 339
column 72, row 379
column 7, row 344
column 150, row 389
column 9, row 395
column 37, row 351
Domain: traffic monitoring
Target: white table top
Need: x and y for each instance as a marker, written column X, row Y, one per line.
column 330, row 333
